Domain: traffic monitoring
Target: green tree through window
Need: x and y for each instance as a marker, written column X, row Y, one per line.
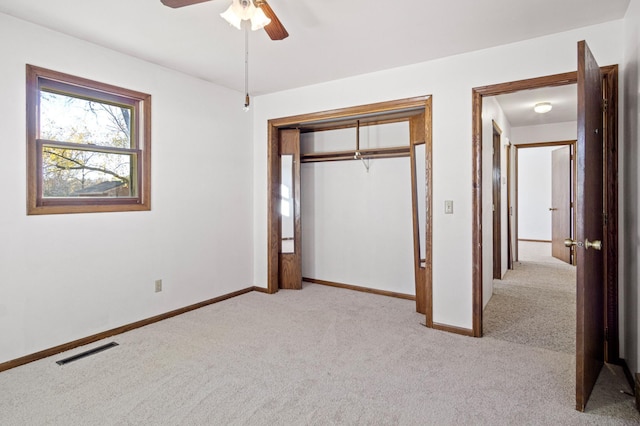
column 88, row 147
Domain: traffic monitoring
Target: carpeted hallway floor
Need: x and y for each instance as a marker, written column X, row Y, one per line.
column 535, row 303
column 320, row 356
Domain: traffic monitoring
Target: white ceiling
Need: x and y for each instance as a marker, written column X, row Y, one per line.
column 329, row 39
column 518, row 106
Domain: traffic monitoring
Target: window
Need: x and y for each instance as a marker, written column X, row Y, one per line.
column 88, row 145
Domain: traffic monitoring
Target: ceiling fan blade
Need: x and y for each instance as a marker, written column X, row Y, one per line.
column 181, row 3
column 275, row 29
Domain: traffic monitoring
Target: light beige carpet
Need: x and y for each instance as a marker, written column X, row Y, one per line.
column 535, row 303
column 319, row 356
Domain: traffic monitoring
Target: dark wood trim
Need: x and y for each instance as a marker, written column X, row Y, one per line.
column 391, row 111
column 509, row 210
column 417, row 137
column 536, row 83
column 428, row 254
column 517, row 211
column 636, row 391
column 410, row 106
column 140, row 149
column 544, row 144
column 452, row 329
column 527, row 84
column 87, row 87
column 610, row 77
column 572, row 144
column 610, row 88
column 496, row 183
column 273, row 201
column 261, row 290
column 476, row 212
column 359, row 288
column 351, row 122
column 290, row 269
column 119, row 330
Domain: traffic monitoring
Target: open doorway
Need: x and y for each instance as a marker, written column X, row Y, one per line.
column 596, row 183
column 545, row 191
column 534, row 301
column 480, row 245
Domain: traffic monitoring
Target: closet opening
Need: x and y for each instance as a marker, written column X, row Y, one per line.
column 332, row 178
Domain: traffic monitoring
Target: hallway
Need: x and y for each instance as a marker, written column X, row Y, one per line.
column 535, row 306
column 535, row 303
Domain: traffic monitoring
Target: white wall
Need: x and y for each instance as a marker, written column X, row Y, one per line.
column 534, row 193
column 450, row 81
column 545, row 133
column 64, row 277
column 629, row 202
column 356, row 226
column 491, row 111
column 534, row 176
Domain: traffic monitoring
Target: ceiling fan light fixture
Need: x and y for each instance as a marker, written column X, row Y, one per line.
column 542, row 107
column 259, row 20
column 245, row 10
column 231, row 17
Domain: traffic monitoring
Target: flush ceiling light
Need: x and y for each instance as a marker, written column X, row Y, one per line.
column 542, row 107
column 245, row 10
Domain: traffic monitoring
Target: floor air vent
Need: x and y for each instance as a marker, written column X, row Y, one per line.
column 87, row 353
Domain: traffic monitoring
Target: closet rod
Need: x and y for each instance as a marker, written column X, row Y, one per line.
column 370, row 153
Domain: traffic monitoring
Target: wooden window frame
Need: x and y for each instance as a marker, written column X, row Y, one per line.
column 140, row 149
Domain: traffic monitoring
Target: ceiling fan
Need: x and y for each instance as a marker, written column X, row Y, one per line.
column 274, row 28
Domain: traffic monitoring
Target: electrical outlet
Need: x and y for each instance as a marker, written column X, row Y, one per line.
column 158, row 286
column 448, row 207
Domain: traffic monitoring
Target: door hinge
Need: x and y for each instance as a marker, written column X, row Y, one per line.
column 605, row 104
column 605, row 218
column 606, row 334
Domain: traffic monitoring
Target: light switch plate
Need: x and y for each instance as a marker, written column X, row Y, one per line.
column 448, row 206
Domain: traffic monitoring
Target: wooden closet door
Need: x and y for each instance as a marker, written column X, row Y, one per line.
column 290, row 258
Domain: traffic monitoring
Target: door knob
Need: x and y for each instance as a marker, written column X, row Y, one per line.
column 587, row 244
column 593, row 244
column 570, row 243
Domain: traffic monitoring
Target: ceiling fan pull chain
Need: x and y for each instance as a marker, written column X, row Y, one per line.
column 247, row 100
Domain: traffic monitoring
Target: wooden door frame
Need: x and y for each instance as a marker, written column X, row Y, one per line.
column 572, row 185
column 572, row 145
column 496, row 184
column 610, row 84
column 510, row 233
column 370, row 114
